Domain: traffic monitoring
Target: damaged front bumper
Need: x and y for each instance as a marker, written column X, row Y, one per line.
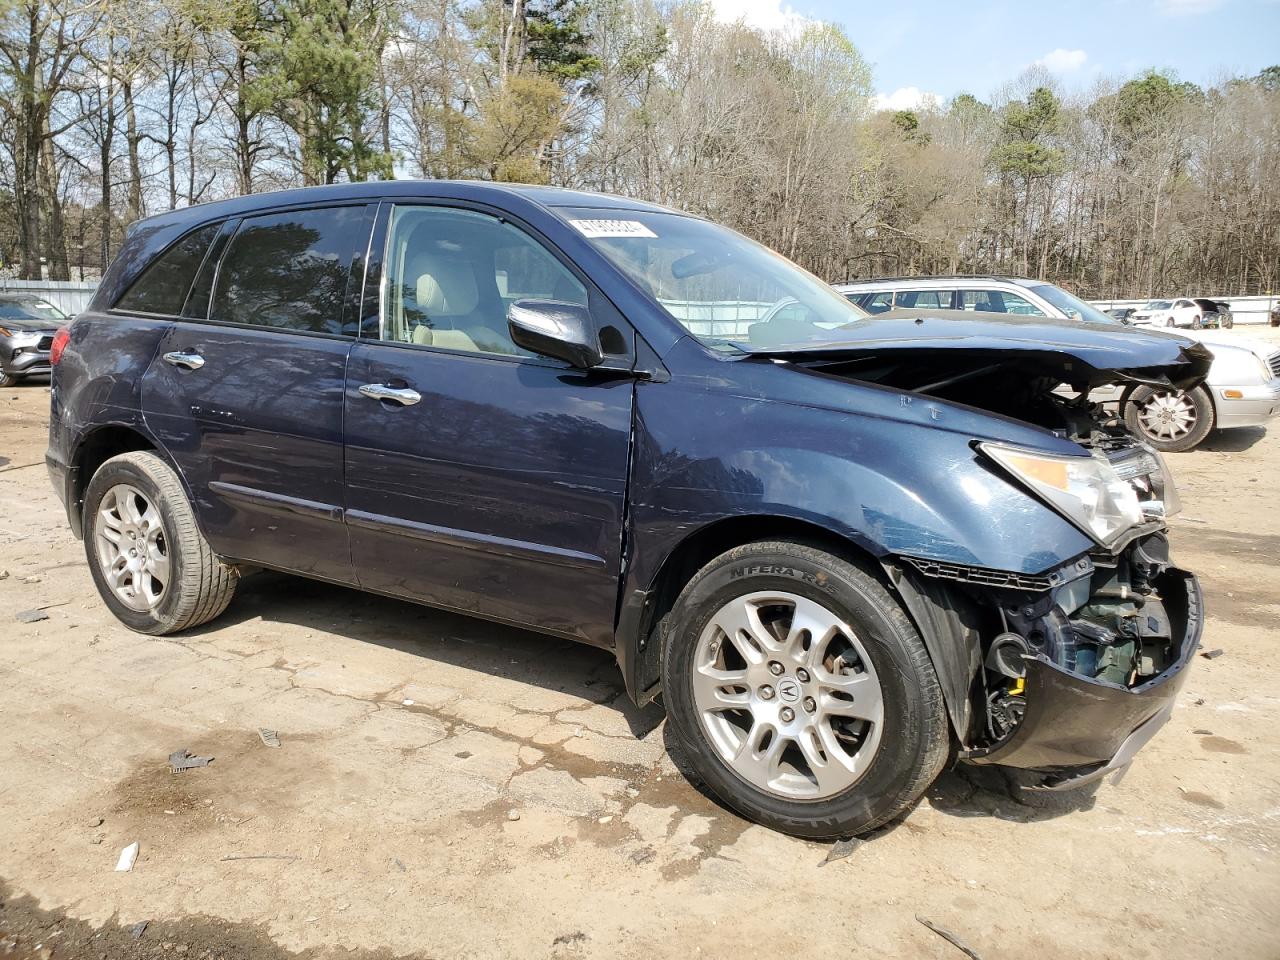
column 1077, row 729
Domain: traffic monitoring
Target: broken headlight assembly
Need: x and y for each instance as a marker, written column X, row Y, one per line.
column 1086, row 490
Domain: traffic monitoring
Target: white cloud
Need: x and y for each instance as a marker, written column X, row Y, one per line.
column 1186, row 8
column 761, row 14
column 1062, row 61
column 906, row 98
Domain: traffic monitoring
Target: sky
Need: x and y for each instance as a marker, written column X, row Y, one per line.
column 938, row 48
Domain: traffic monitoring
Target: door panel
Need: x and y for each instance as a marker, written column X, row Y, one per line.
column 257, row 433
column 501, row 492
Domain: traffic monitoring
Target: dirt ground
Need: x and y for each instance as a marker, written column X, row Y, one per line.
column 382, row 826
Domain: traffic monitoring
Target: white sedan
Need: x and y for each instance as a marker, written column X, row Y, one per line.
column 1168, row 313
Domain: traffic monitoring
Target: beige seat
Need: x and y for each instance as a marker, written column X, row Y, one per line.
column 444, row 289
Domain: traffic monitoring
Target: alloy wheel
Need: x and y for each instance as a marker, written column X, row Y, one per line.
column 787, row 695
column 1167, row 416
column 133, row 549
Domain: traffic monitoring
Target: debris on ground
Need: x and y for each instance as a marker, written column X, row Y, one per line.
column 33, row 578
column 643, row 855
column 1202, row 733
column 128, row 857
column 31, row 616
column 182, row 759
column 1212, row 654
column 841, row 849
column 269, row 738
column 565, row 939
column 513, row 815
column 259, row 856
column 138, row 929
column 4, row 574
column 94, row 822
column 950, row 937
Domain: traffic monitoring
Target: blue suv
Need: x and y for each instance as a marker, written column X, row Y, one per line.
column 845, row 552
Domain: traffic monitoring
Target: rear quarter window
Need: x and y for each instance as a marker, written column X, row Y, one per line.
column 163, row 287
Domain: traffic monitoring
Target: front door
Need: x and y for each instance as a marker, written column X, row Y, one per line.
column 480, row 477
column 248, row 400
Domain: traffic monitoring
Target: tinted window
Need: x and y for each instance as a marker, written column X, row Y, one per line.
column 997, row 301
column 450, row 276
column 163, row 286
column 918, row 299
column 290, row 270
column 877, row 302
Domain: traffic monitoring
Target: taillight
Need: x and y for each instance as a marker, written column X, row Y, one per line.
column 60, row 341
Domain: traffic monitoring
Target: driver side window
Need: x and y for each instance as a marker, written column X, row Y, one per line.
column 451, row 274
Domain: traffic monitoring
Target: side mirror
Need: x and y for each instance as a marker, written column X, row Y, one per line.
column 555, row 329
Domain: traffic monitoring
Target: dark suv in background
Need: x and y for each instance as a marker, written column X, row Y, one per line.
column 844, row 552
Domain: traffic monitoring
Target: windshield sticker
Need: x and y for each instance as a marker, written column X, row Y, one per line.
column 612, row 228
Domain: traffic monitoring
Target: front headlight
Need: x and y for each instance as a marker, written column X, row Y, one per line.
column 1086, row 490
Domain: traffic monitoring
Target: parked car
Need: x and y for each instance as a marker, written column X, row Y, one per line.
column 1182, row 312
column 1121, row 313
column 1242, row 389
column 1273, row 318
column 1213, row 314
column 841, row 550
column 27, row 326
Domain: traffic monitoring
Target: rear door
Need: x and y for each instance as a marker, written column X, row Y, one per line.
column 481, row 477
column 246, row 393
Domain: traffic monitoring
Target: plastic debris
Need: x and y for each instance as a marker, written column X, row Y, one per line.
column 841, row 849
column 950, row 937
column 269, row 738
column 513, row 815
column 182, row 759
column 31, row 616
column 1207, row 654
column 138, row 929
column 128, row 857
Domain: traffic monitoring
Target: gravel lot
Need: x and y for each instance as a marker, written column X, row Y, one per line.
column 385, row 824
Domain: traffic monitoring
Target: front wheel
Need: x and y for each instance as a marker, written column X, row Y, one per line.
column 801, row 692
column 7, row 380
column 1197, row 323
column 1169, row 322
column 1172, row 421
column 149, row 561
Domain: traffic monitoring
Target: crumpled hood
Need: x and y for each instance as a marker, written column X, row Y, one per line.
column 1084, row 355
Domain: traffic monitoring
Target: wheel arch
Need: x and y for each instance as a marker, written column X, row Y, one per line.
column 638, row 645
column 98, row 445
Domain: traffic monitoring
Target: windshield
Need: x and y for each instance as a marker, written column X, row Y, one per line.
column 726, row 290
column 30, row 310
column 1158, row 305
column 1073, row 307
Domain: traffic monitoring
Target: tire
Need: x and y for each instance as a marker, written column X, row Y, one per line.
column 1172, row 435
column 7, row 380
column 181, row 583
column 1169, row 322
column 1227, row 323
column 908, row 740
column 1197, row 323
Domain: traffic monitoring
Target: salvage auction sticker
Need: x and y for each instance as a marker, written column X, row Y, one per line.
column 612, row 228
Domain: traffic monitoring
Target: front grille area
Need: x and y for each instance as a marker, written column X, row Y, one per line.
column 45, row 344
column 980, row 575
column 1273, row 362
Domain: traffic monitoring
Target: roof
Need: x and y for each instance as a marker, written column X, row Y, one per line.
column 476, row 190
column 881, row 283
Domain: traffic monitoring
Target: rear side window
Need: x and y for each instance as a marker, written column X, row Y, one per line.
column 164, row 285
column 290, row 270
column 918, row 299
column 877, row 302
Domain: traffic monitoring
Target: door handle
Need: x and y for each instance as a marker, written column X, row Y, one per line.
column 185, row 358
column 381, row 391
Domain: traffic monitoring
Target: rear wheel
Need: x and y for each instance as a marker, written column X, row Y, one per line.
column 149, row 561
column 1172, row 421
column 1197, row 323
column 801, row 692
